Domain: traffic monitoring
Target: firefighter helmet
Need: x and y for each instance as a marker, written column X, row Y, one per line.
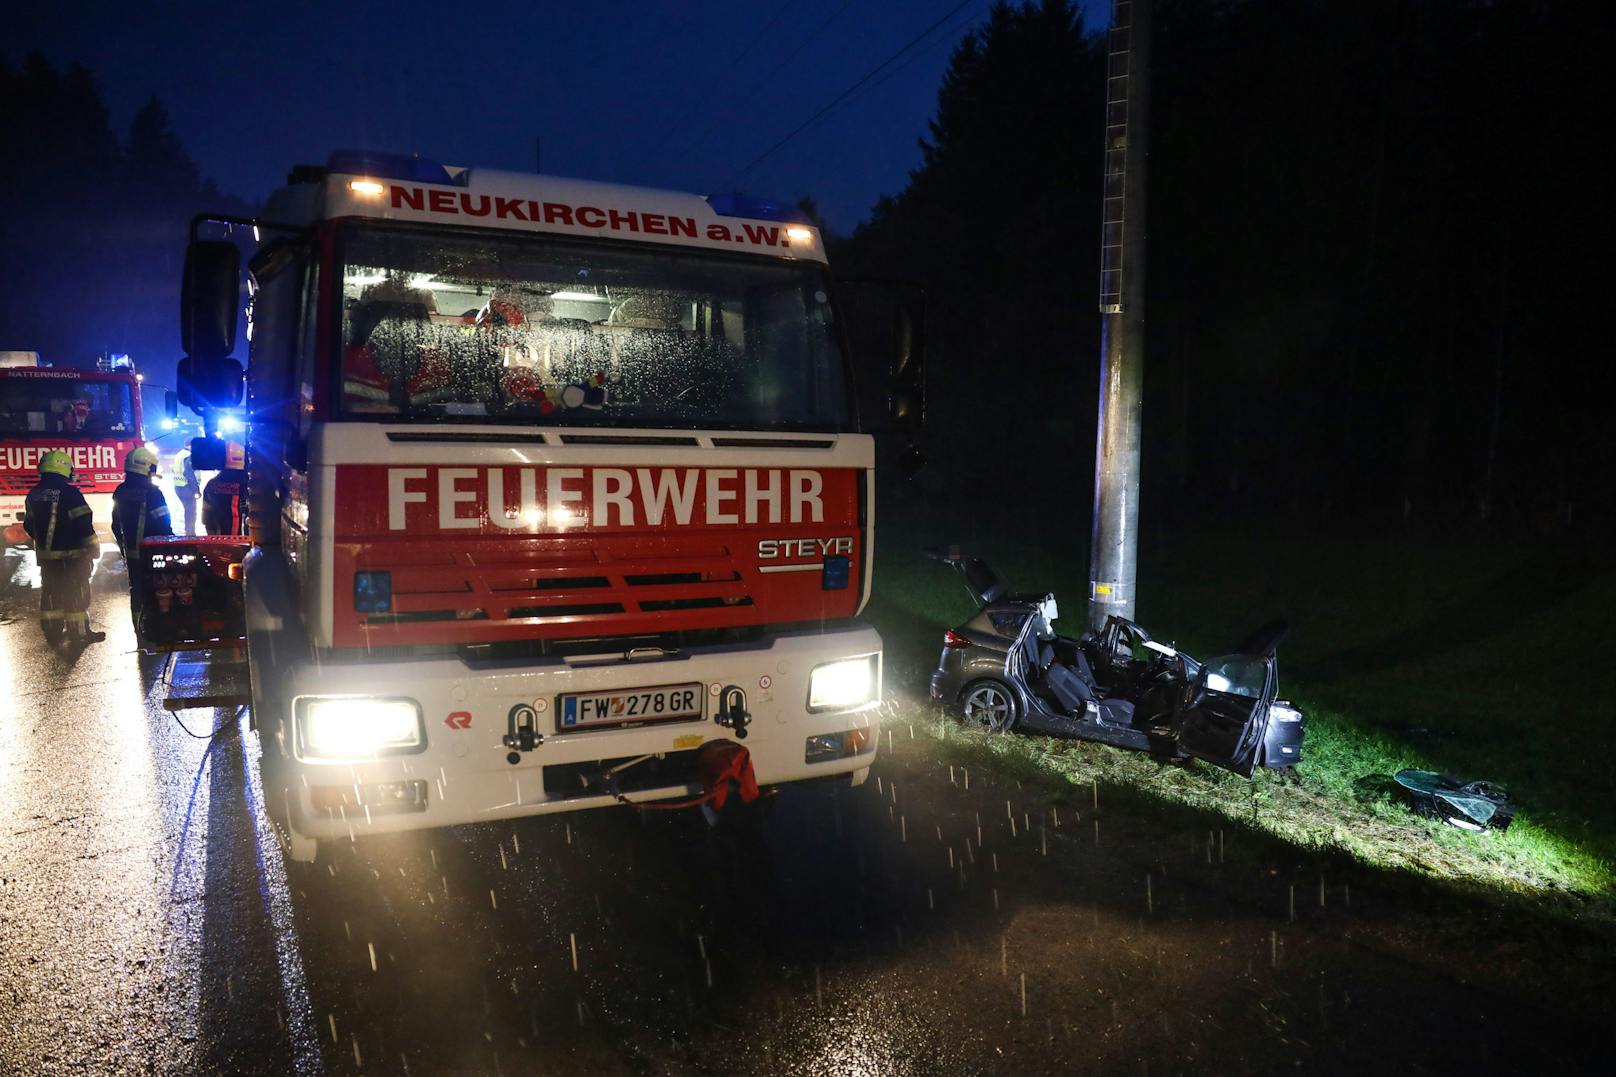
column 140, row 461
column 235, row 455
column 56, row 462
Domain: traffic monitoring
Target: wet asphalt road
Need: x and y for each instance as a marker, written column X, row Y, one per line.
column 929, row 922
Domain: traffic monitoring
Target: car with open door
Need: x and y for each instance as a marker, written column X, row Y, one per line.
column 1007, row 668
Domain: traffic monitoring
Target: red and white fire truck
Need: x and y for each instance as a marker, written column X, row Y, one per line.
column 92, row 415
column 555, row 485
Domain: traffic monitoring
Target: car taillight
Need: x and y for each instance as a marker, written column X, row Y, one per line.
column 952, row 639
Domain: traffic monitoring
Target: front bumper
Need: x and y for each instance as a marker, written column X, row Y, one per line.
column 464, row 768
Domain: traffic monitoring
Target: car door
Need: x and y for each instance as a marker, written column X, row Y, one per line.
column 1223, row 713
column 983, row 583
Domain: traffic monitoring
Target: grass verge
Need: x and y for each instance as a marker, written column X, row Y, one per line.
column 1408, row 655
column 1316, row 808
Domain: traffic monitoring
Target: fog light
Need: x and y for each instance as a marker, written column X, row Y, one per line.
column 841, row 685
column 353, row 729
column 823, row 747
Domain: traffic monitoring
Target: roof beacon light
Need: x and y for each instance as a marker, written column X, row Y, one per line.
column 798, row 234
column 368, row 187
column 736, row 204
column 395, row 166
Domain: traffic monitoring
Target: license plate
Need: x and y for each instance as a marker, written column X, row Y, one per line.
column 635, row 706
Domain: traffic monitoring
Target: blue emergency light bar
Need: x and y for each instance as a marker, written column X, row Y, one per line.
column 735, row 204
column 396, row 166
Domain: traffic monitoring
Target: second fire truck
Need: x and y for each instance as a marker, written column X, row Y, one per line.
column 92, row 415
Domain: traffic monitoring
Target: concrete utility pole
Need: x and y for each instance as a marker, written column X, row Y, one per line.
column 1114, row 549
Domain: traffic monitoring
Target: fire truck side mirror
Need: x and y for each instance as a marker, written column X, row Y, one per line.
column 171, row 404
column 885, row 322
column 209, row 383
column 209, row 296
column 906, row 401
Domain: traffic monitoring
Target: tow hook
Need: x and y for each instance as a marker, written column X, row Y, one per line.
column 522, row 732
column 732, row 712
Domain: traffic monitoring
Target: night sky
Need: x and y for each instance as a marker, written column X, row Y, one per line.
column 683, row 96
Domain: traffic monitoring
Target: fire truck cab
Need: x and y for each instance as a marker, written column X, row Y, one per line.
column 553, row 483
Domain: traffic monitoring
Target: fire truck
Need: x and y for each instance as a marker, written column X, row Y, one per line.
column 558, row 498
column 92, row 415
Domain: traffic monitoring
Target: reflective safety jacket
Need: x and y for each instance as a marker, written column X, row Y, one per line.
column 224, row 503
column 57, row 518
column 139, row 512
column 185, row 484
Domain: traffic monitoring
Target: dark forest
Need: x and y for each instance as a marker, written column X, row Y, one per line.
column 1372, row 233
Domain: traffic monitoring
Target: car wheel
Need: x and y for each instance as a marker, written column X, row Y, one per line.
column 989, row 706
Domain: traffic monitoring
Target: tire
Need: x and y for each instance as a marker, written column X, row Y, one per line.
column 990, row 706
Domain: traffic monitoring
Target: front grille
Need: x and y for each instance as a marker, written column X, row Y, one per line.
column 424, row 616
column 659, row 605
column 663, row 578
column 582, row 609
column 555, row 583
column 505, row 582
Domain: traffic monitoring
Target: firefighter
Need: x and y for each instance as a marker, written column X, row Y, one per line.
column 58, row 520
column 224, row 499
column 186, row 488
column 139, row 512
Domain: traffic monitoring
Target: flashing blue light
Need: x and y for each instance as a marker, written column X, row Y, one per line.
column 121, row 361
column 373, row 592
column 229, row 424
column 736, row 204
column 834, row 577
column 169, row 424
column 387, row 166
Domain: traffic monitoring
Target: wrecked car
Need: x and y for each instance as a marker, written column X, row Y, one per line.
column 1006, row 668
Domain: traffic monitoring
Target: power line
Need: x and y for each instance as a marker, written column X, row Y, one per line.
column 729, row 69
column 946, row 38
column 750, row 45
column 783, row 65
column 845, row 94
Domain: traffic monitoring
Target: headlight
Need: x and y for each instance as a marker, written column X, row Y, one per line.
column 350, row 730
column 841, row 685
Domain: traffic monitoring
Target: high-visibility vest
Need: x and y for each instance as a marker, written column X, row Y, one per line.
column 183, row 475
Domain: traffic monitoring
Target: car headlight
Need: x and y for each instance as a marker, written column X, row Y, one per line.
column 841, row 685
column 350, row 729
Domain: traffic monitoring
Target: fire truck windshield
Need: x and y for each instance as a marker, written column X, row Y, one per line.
column 65, row 407
column 478, row 328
